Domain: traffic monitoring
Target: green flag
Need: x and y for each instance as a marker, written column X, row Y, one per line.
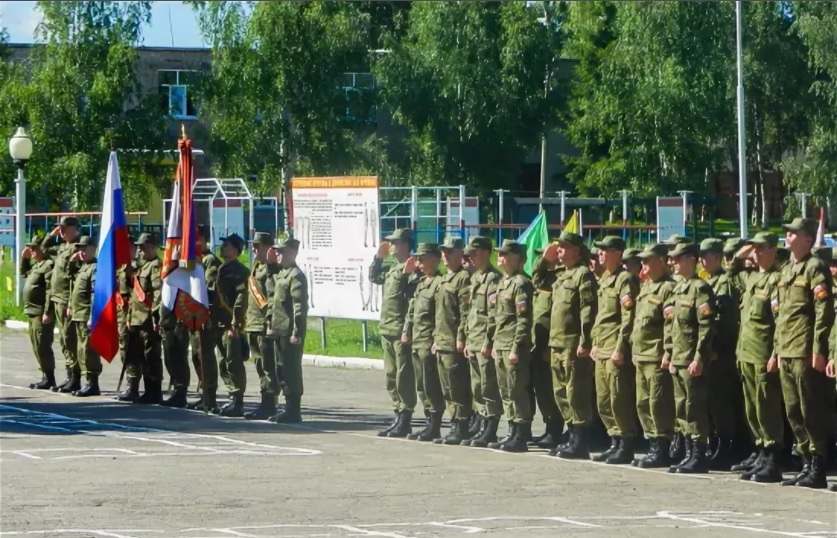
column 535, row 237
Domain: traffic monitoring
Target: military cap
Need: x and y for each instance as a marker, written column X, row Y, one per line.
column 510, row 246
column 712, row 244
column 806, row 226
column 571, row 238
column 34, row 241
column 630, row 254
column 69, row 221
column 145, row 238
column 235, row 240
column 478, row 242
column 401, row 234
column 657, row 249
column 733, row 245
column 763, row 238
column 610, row 241
column 289, row 242
column 684, row 249
column 425, row 249
column 84, row 241
column 263, row 238
column 676, row 239
column 452, row 243
column 824, row 253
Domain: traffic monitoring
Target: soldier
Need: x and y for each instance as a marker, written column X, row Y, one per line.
column 691, row 309
column 512, row 345
column 58, row 294
column 758, row 363
column 203, row 341
column 144, row 321
column 805, row 317
column 721, row 372
column 37, row 270
column 418, row 333
column 632, row 263
column 289, row 322
column 452, row 300
column 573, row 313
column 228, row 317
column 654, row 390
column 259, row 287
column 544, row 275
column 831, row 369
column 125, row 279
column 478, row 345
column 81, row 299
column 611, row 351
column 399, row 282
column 175, row 336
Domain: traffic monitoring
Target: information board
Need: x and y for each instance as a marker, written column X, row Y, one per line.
column 671, row 217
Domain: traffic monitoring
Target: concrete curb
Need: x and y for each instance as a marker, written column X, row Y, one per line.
column 320, row 361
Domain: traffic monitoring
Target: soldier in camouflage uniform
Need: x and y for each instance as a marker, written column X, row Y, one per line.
column 691, row 309
column 260, row 288
column 418, row 333
column 452, row 301
column 81, row 300
column 228, row 316
column 611, row 350
column 831, row 369
column 175, row 340
column 288, row 324
column 480, row 325
column 203, row 341
column 805, row 318
column 125, row 281
column 37, row 270
column 144, row 321
column 399, row 281
column 58, row 295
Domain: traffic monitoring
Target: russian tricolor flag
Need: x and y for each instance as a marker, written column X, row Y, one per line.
column 114, row 250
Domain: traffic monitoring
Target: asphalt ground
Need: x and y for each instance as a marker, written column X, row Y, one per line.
column 73, row 467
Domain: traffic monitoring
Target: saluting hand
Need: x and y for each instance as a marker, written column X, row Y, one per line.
column 383, row 250
column 410, row 265
column 550, row 253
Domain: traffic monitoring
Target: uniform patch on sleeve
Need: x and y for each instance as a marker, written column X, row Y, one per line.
column 627, row 302
column 521, row 305
column 820, row 292
column 705, row 310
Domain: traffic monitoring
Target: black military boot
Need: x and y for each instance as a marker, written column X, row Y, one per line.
column 488, row 435
column 657, row 457
column 552, row 437
column 434, row 430
column 458, row 431
column 234, row 406
column 177, row 398
column 385, row 431
column 292, row 413
column 415, row 435
column 677, row 449
column 565, row 441
column 577, row 448
column 404, row 426
column 265, row 410
column 806, row 468
column 90, row 388
column 769, row 471
column 512, row 431
column 518, row 442
column 614, row 446
column 153, row 393
column 748, row 463
column 47, row 382
column 476, row 428
column 131, row 392
column 722, row 456
column 66, row 381
column 688, row 446
column 815, row 478
column 72, row 384
column 698, row 463
column 206, row 403
column 748, row 473
column 624, row 454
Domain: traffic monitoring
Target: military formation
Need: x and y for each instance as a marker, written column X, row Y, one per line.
column 716, row 355
column 258, row 313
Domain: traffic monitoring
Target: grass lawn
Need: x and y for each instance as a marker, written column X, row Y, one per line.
column 343, row 338
column 8, row 309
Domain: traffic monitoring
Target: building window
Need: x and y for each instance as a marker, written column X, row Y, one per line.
column 176, row 87
column 359, row 91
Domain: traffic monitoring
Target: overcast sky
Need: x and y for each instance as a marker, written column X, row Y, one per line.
column 21, row 18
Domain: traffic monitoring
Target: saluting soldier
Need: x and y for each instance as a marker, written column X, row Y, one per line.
column 125, row 281
column 58, row 246
column 289, row 323
column 611, row 350
column 37, row 270
column 691, row 309
column 398, row 281
column 259, row 288
column 418, row 333
column 570, row 339
column 722, row 376
column 452, row 300
column 654, row 390
column 480, row 326
column 512, row 345
column 144, row 321
column 228, row 315
column 806, row 315
column 81, row 300
column 758, row 363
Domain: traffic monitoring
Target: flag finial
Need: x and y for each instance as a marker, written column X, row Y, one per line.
column 183, row 131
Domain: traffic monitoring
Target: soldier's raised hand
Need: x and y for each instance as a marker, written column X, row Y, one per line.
column 550, row 254
column 383, row 250
column 411, row 265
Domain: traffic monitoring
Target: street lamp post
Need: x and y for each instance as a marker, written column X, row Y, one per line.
column 20, row 149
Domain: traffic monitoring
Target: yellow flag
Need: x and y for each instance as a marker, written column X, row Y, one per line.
column 572, row 223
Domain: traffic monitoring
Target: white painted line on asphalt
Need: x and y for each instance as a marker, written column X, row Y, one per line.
column 707, row 523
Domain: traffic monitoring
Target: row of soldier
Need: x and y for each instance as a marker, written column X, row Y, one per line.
column 679, row 343
column 259, row 312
